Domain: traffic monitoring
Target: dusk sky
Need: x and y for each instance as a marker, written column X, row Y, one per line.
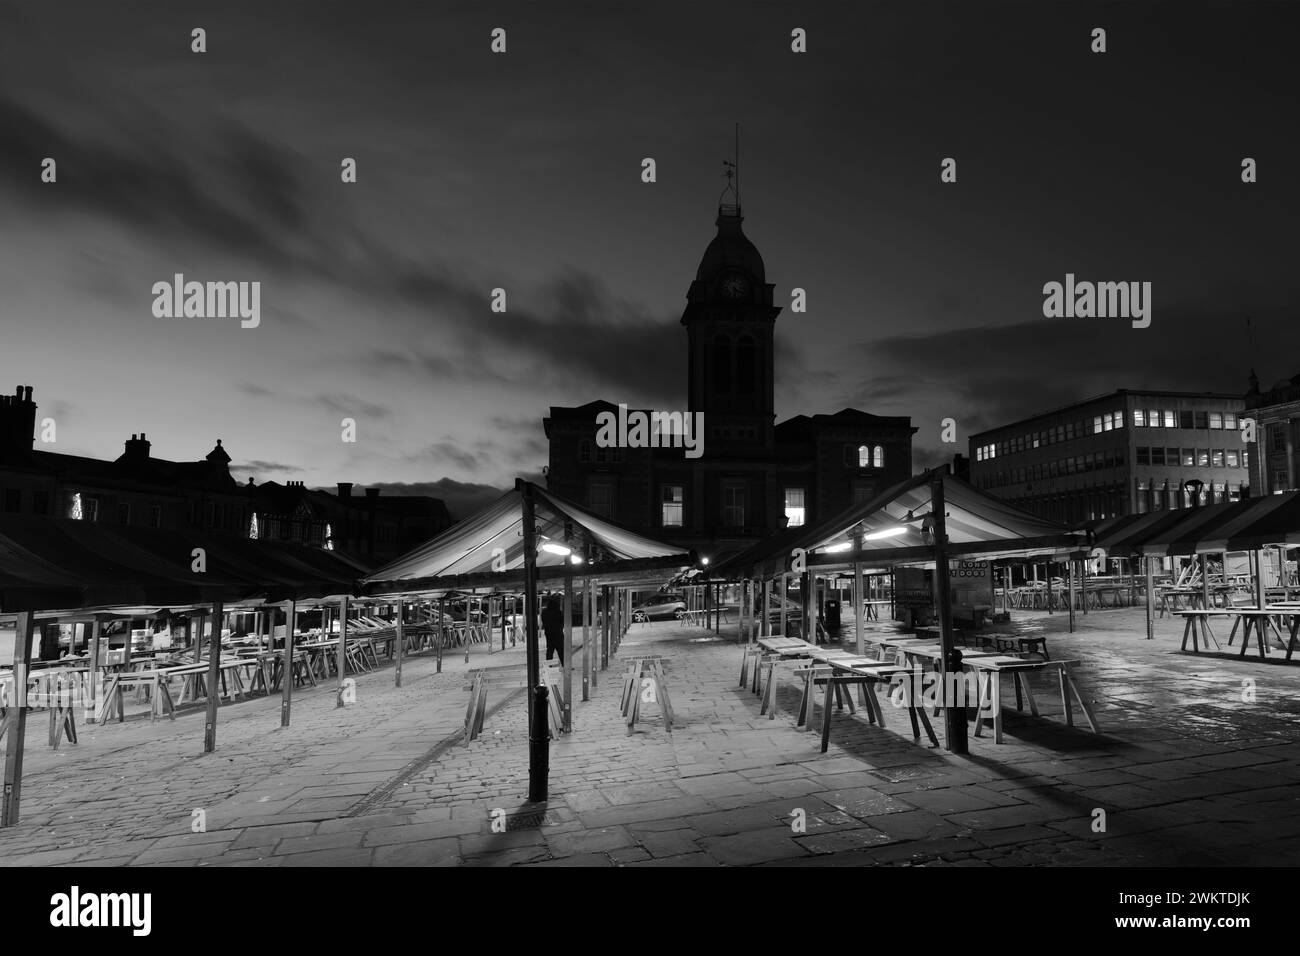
column 523, row 171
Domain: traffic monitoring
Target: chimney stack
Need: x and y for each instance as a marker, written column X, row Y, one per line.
column 17, row 423
column 137, row 450
column 345, row 489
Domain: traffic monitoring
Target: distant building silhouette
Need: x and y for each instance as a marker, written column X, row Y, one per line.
column 1274, row 468
column 755, row 475
column 139, row 489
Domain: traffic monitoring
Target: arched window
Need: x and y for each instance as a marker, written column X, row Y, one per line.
column 878, row 456
column 745, row 371
column 864, row 456
column 722, row 364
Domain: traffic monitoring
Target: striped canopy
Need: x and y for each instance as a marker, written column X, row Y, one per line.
column 488, row 548
column 66, row 564
column 1240, row 526
column 892, row 530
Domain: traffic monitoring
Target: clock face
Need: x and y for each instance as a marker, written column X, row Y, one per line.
column 734, row 286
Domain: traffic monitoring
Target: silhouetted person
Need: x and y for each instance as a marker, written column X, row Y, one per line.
column 553, row 628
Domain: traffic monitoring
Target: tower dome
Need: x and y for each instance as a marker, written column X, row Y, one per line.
column 730, row 249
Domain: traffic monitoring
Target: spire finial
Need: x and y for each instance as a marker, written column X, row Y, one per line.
column 731, row 170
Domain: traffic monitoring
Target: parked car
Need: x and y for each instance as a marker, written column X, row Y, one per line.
column 659, row 607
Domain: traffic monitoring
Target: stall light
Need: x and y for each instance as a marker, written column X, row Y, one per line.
column 552, row 548
column 836, row 548
column 884, row 533
column 575, row 559
column 704, row 560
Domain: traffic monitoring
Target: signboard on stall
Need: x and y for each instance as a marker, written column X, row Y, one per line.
column 971, row 583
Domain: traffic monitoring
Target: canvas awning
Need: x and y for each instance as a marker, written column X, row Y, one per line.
column 1238, row 526
column 66, row 564
column 486, row 550
column 978, row 525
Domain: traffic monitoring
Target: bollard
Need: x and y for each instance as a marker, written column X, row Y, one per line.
column 539, row 749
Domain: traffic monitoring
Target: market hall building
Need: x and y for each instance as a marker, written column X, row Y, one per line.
column 756, row 475
column 1128, row 452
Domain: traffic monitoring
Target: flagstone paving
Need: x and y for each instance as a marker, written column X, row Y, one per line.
column 1198, row 764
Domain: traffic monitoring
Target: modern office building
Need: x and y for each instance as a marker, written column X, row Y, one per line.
column 1128, row 452
column 1277, row 434
column 754, row 475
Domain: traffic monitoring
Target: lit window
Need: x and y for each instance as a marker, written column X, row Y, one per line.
column 1216, row 419
column 864, row 456
column 672, row 506
column 1153, row 418
column 1234, row 458
column 1139, row 418
column 1216, row 460
column 1188, row 457
column 878, row 456
column 1202, row 458
column 794, row 507
column 1171, row 418
column 1230, row 421
column 1096, row 425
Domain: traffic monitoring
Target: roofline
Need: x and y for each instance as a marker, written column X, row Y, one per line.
column 1121, row 392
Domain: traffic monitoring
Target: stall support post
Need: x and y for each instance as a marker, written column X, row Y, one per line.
column 586, row 639
column 401, row 640
column 13, row 779
column 1261, row 582
column 568, row 652
column 286, row 671
column 341, row 653
column 1050, row 597
column 805, row 597
column 214, row 678
column 781, row 598
column 859, row 633
column 96, row 661
column 1069, row 570
column 538, row 734
column 1146, row 564
column 765, row 627
column 954, row 718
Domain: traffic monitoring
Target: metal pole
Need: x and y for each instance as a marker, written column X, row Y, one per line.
column 954, row 718
column 342, row 652
column 13, row 778
column 568, row 653
column 538, row 737
column 95, row 663
column 1146, row 564
column 214, row 675
column 860, row 637
column 401, row 641
column 1069, row 570
column 586, row 638
column 286, row 672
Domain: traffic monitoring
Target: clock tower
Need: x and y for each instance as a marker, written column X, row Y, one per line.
column 730, row 320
